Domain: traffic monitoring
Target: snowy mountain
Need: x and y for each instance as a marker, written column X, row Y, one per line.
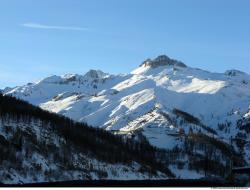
column 164, row 100
column 38, row 146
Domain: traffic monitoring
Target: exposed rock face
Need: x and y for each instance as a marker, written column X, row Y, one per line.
column 234, row 72
column 161, row 61
column 95, row 74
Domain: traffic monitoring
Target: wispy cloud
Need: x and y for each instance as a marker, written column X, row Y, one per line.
column 52, row 27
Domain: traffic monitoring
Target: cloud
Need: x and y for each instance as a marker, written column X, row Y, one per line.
column 52, row 27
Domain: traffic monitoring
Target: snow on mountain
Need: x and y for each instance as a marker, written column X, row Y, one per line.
column 37, row 146
column 145, row 99
column 37, row 167
column 125, row 98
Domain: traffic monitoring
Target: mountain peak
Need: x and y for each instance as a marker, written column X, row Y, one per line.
column 51, row 79
column 234, row 72
column 162, row 60
column 95, row 74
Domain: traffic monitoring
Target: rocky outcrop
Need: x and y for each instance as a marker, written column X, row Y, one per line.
column 161, row 61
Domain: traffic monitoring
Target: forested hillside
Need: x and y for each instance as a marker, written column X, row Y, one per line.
column 38, row 146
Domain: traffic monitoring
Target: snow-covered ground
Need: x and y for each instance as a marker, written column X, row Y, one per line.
column 37, row 166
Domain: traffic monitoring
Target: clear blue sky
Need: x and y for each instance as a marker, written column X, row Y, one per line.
column 43, row 37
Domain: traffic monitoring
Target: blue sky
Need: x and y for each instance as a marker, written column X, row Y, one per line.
column 44, row 37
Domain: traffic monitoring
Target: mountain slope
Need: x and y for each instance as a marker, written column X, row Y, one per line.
column 38, row 146
column 161, row 99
